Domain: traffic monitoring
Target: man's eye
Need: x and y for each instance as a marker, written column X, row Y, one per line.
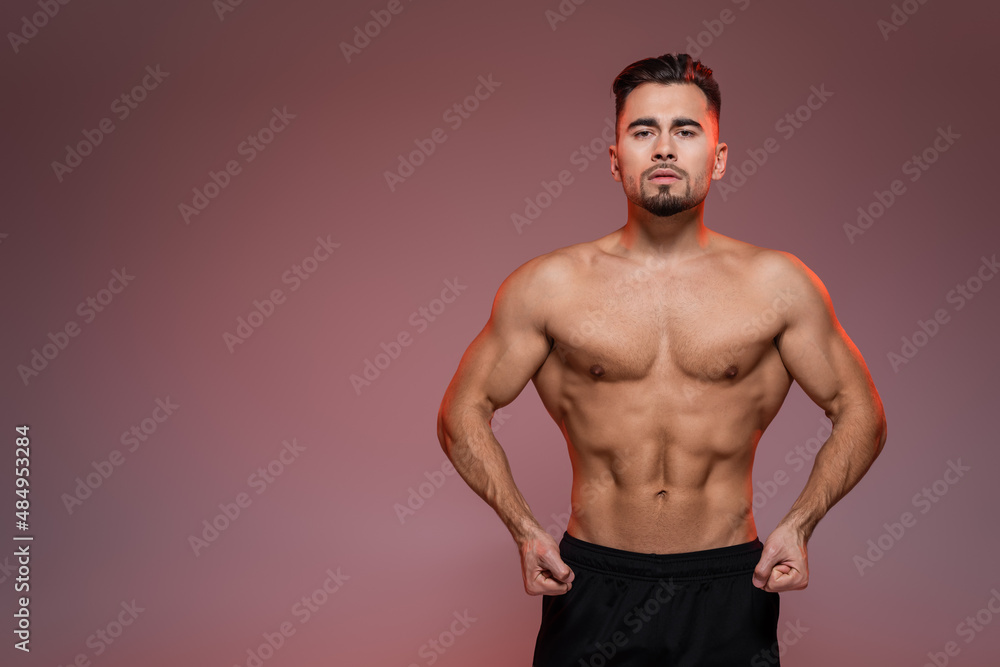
column 642, row 132
column 688, row 131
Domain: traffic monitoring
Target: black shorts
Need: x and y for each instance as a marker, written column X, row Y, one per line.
column 696, row 609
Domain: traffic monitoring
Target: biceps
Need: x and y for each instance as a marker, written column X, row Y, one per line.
column 822, row 358
column 498, row 364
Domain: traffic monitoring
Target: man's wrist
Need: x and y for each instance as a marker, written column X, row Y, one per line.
column 801, row 522
column 527, row 528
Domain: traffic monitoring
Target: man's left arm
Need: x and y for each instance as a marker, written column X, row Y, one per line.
column 821, row 357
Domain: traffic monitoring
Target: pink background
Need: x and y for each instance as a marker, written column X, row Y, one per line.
column 335, row 504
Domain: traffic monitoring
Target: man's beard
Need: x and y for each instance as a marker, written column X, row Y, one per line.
column 661, row 201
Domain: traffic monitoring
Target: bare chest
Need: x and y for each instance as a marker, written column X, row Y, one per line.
column 707, row 330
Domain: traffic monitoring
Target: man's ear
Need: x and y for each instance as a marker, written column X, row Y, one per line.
column 719, row 168
column 613, row 156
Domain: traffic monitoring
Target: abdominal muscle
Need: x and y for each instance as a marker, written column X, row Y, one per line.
column 661, row 518
column 662, row 471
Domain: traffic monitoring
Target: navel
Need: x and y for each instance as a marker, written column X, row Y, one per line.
column 596, row 370
column 662, row 494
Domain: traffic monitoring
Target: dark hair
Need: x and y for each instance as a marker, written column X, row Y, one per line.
column 667, row 69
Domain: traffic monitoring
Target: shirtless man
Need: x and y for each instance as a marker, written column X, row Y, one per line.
column 662, row 351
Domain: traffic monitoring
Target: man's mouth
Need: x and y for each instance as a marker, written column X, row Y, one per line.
column 664, row 176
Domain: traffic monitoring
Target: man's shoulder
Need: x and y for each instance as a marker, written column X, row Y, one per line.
column 782, row 278
column 766, row 264
column 552, row 270
column 785, row 269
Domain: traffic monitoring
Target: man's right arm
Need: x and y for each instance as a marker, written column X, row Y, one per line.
column 493, row 371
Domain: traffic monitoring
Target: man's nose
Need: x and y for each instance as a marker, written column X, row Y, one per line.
column 664, row 150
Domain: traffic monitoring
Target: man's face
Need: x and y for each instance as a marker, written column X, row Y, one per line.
column 667, row 127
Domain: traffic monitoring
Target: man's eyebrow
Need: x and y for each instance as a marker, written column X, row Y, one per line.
column 674, row 124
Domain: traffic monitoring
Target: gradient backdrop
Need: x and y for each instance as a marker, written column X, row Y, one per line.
column 211, row 490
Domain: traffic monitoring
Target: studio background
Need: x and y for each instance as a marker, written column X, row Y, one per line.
column 253, row 157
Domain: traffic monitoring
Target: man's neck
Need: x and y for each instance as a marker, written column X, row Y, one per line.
column 676, row 237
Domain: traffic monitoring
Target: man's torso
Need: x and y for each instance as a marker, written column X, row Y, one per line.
column 663, row 376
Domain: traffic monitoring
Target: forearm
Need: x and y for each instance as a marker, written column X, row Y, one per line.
column 854, row 443
column 469, row 443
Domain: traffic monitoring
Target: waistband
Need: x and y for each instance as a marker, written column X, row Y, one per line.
column 706, row 564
